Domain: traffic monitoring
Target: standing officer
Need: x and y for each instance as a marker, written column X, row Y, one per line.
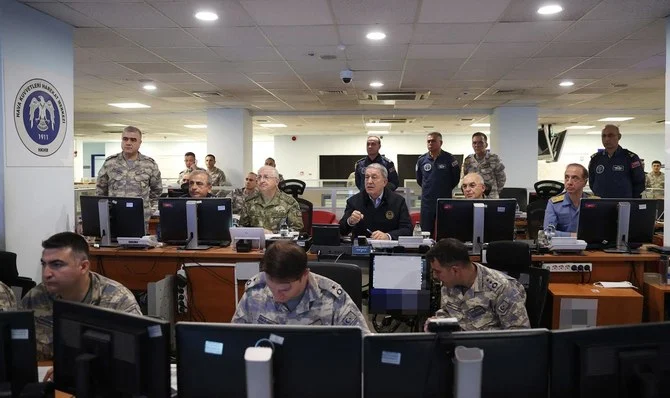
column 437, row 173
column 616, row 172
column 373, row 145
column 487, row 164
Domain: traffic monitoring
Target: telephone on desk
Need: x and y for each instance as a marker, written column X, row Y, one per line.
column 145, row 242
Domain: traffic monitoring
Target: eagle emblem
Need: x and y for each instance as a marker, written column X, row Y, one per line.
column 42, row 107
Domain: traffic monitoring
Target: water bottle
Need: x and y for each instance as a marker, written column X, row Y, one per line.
column 283, row 229
column 417, row 229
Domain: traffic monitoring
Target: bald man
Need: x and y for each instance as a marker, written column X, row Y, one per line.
column 473, row 186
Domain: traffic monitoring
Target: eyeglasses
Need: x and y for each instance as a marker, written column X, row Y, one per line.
column 266, row 177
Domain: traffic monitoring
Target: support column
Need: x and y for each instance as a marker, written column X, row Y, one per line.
column 229, row 133
column 666, row 237
column 514, row 139
column 36, row 68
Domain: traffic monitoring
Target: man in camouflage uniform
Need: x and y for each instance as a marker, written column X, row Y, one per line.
column 191, row 164
column 129, row 173
column 270, row 207
column 271, row 162
column 487, row 164
column 218, row 176
column 240, row 194
column 478, row 297
column 287, row 293
column 66, row 275
column 373, row 145
column 7, row 298
column 655, row 180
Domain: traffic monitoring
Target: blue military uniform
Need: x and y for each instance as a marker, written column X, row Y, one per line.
column 437, row 179
column 563, row 214
column 619, row 176
column 363, row 163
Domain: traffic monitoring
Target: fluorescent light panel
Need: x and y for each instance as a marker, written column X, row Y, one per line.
column 272, row 125
column 375, row 132
column 376, row 35
column 579, row 127
column 615, row 119
column 129, row 105
column 196, row 126
column 549, row 9
column 114, row 125
column 480, row 125
column 373, row 124
column 206, row 16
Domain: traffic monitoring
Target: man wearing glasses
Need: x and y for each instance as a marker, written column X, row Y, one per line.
column 199, row 185
column 563, row 210
column 287, row 293
column 487, row 164
column 270, row 207
column 239, row 195
column 473, row 186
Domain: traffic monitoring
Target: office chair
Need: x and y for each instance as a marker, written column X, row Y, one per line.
column 323, row 217
column 347, row 275
column 487, row 190
column 536, row 294
column 520, row 194
column 306, row 212
column 415, row 216
column 545, row 189
column 9, row 274
column 535, row 218
column 292, row 187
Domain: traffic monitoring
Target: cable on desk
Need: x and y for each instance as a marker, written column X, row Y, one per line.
column 141, row 273
column 212, row 273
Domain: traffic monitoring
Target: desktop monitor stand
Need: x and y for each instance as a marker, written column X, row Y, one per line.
column 103, row 220
column 192, row 226
column 258, row 362
column 477, row 227
column 623, row 223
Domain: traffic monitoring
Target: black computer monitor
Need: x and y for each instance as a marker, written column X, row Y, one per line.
column 126, row 217
column 400, row 284
column 104, row 353
column 214, row 218
column 631, row 361
column 515, row 364
column 599, row 221
column 455, row 216
column 307, row 361
column 18, row 357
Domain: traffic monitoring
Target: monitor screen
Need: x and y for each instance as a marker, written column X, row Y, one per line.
column 420, row 364
column 126, row 216
column 215, row 217
column 455, row 216
column 616, row 361
column 18, row 357
column 101, row 352
column 322, row 361
column 400, row 284
column 598, row 221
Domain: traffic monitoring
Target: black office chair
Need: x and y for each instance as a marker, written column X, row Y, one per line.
column 9, row 274
column 545, row 189
column 535, row 218
column 347, row 275
column 292, row 187
column 536, row 294
column 520, row 194
column 306, row 208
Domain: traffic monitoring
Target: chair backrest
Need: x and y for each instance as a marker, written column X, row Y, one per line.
column 8, row 271
column 323, row 217
column 509, row 256
column 292, row 187
column 349, row 276
column 306, row 211
column 548, row 188
column 520, row 194
column 535, row 218
column 536, row 294
column 415, row 216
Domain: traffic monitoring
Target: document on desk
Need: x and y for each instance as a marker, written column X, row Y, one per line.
column 615, row 285
column 397, row 272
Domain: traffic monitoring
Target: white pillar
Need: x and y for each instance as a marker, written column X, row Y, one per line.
column 666, row 237
column 78, row 163
column 229, row 133
column 514, row 139
column 37, row 160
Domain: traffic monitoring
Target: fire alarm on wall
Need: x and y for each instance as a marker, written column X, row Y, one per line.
column 293, row 138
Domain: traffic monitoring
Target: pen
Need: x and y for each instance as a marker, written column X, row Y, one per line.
column 368, row 229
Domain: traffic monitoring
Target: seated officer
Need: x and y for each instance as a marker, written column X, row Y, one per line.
column 66, row 275
column 473, row 186
column 7, row 298
column 270, row 207
column 287, row 293
column 480, row 298
column 563, row 210
column 200, row 185
column 376, row 212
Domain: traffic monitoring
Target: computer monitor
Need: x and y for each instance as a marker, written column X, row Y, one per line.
column 108, row 217
column 322, row 361
column 18, row 357
column 400, row 284
column 631, row 361
column 455, row 218
column 603, row 222
column 104, row 353
column 209, row 224
column 515, row 364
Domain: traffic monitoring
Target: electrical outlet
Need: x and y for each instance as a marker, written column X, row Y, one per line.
column 182, row 292
column 568, row 267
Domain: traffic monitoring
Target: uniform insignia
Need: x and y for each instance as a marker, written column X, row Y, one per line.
column 265, row 321
column 600, row 169
column 350, row 318
column 389, row 215
column 427, row 167
column 503, row 307
column 558, row 198
column 635, row 164
column 454, row 163
column 476, row 312
column 617, row 167
column 339, row 291
column 441, row 166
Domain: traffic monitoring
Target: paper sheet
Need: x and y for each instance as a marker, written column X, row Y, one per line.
column 397, row 272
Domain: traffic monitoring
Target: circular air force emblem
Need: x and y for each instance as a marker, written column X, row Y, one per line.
column 427, row 167
column 40, row 117
column 389, row 215
column 599, row 169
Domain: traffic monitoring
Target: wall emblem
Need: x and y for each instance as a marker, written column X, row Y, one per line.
column 40, row 117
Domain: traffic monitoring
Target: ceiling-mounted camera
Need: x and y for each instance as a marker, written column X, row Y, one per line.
column 346, row 75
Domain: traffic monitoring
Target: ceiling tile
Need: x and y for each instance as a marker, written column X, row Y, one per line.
column 588, row 73
column 127, row 54
column 653, row 31
column 607, row 63
column 420, row 65
column 229, row 36
column 298, row 35
column 450, row 33
column 242, row 53
column 316, row 67
column 162, row 37
column 98, row 37
column 601, row 30
column 635, row 48
column 207, row 67
column 395, row 34
column 262, row 67
column 526, row 31
column 374, row 11
column 573, row 49
column 394, row 64
column 65, row 14
column 398, row 51
column 507, row 50
column 187, row 54
column 458, row 11
column 306, row 52
column 163, row 67
column 182, row 12
column 174, row 77
column 526, row 10
column 439, row 51
column 629, row 9
column 124, row 15
column 87, row 56
column 551, row 63
column 288, row 12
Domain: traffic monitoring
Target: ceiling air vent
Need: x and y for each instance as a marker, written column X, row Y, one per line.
column 208, row 94
column 332, row 92
column 112, row 131
column 397, row 120
column 509, row 92
column 396, row 95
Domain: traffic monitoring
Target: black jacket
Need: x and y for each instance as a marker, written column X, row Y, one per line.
column 391, row 216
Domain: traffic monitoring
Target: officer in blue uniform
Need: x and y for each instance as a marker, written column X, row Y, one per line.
column 615, row 172
column 563, row 210
column 373, row 145
column 437, row 173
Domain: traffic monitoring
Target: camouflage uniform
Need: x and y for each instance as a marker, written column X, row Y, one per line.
column 188, row 171
column 494, row 301
column 218, row 176
column 269, row 215
column 103, row 292
column 655, row 181
column 7, row 298
column 491, row 169
column 238, row 196
column 142, row 180
column 323, row 303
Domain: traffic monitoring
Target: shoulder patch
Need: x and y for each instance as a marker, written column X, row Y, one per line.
column 330, row 286
column 558, row 198
column 350, row 319
column 594, row 155
column 111, row 157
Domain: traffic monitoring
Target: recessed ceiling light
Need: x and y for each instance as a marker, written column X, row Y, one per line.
column 196, row 126
column 375, row 132
column 129, row 105
column 373, row 124
column 549, row 9
column 480, row 125
column 615, row 119
column 273, row 125
column 566, row 83
column 580, row 127
column 114, row 125
column 206, row 16
column 149, row 86
column 594, row 132
column 376, row 84
column 376, row 35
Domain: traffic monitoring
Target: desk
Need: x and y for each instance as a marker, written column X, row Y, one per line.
column 655, row 296
column 615, row 306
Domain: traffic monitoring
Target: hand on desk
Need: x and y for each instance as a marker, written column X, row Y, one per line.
column 379, row 235
column 355, row 218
